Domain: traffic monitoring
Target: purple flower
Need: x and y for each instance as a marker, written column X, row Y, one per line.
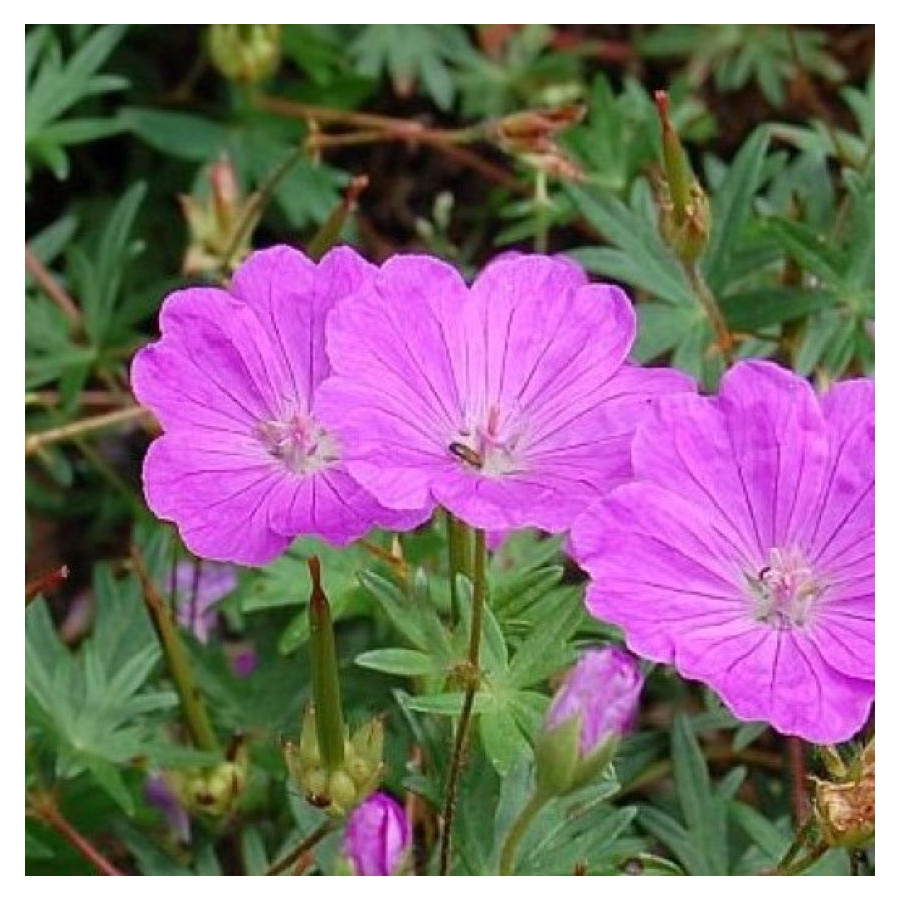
column 248, row 460
column 744, row 552
column 158, row 792
column 603, row 689
column 508, row 403
column 198, row 588
column 377, row 836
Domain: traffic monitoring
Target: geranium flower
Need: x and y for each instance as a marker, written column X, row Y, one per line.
column 744, row 551
column 377, row 836
column 602, row 690
column 509, row 403
column 248, row 460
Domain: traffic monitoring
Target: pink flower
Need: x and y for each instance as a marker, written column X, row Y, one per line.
column 744, row 551
column 377, row 836
column 603, row 690
column 248, row 460
column 509, row 403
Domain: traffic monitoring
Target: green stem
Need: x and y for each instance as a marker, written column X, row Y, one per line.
column 479, row 592
column 517, row 832
column 459, row 546
column 189, row 695
column 326, row 685
column 710, row 306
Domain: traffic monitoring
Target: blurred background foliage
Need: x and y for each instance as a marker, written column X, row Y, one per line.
column 158, row 155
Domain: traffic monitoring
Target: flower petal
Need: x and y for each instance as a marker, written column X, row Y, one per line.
column 219, row 497
column 293, row 296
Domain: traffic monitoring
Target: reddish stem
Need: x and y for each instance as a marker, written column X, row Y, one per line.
column 49, row 813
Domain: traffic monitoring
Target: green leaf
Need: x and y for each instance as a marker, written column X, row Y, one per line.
column 640, row 258
column 399, row 661
column 732, row 208
column 759, row 308
column 448, row 704
column 182, row 135
column 501, row 737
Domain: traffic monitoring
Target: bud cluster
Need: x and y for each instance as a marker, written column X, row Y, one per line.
column 215, row 790
column 845, row 808
column 245, row 53
column 337, row 788
column 531, row 135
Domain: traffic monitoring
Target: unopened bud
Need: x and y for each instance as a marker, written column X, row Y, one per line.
column 341, row 788
column 220, row 221
column 684, row 213
column 245, row 53
column 377, row 837
column 591, row 711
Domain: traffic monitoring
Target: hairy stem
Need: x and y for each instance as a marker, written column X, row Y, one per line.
column 465, row 719
column 189, row 695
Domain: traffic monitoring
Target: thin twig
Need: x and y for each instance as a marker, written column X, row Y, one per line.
column 45, row 809
column 479, row 589
column 52, row 288
column 302, row 848
column 40, row 439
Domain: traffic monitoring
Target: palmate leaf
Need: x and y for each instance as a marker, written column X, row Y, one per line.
column 54, row 87
column 413, row 52
column 306, row 194
column 91, row 710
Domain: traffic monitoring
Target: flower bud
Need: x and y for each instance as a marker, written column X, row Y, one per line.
column 245, row 53
column 214, row 220
column 591, row 711
column 377, row 836
column 845, row 809
column 340, row 788
column 684, row 213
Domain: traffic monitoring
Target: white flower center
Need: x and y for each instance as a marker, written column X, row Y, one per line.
column 298, row 442
column 488, row 446
column 785, row 591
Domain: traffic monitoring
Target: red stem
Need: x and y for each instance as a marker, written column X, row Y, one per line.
column 56, row 820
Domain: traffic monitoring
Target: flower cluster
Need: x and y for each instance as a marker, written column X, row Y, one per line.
column 327, row 399
column 731, row 536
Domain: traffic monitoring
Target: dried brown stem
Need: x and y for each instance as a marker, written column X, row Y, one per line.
column 41, row 439
column 52, row 288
